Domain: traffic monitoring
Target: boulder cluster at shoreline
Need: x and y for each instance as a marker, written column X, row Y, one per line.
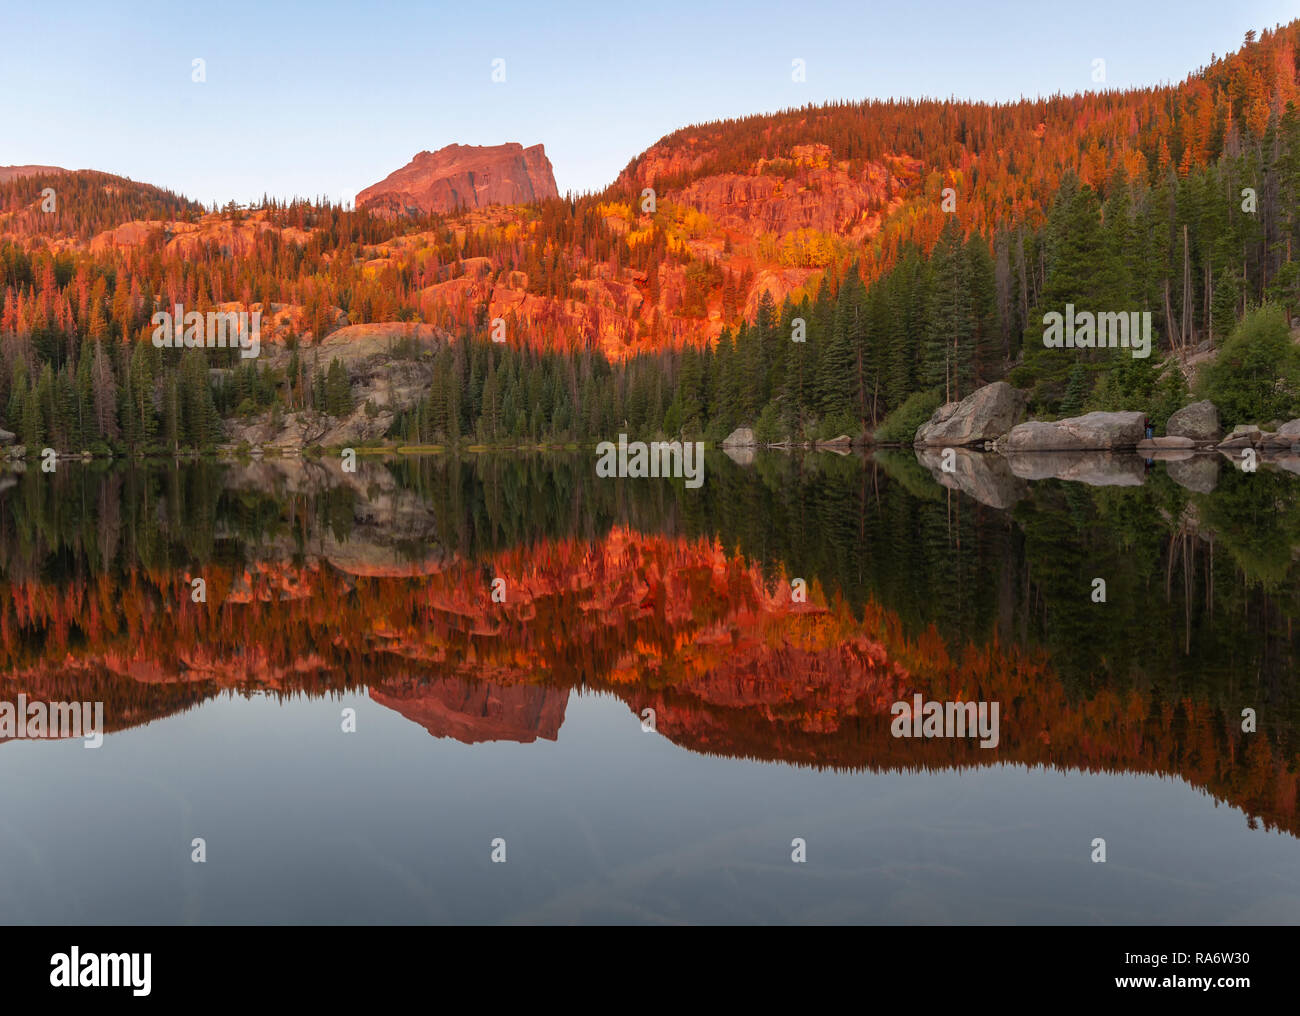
column 987, row 420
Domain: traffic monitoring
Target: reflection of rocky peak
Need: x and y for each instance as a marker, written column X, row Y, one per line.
column 474, row 711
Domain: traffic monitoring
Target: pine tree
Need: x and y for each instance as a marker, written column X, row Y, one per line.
column 979, row 359
column 1077, row 390
column 338, row 389
column 144, row 415
column 33, row 430
column 47, row 407
column 948, row 343
column 836, row 367
column 1223, row 307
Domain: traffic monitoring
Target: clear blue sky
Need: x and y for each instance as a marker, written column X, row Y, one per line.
column 327, row 97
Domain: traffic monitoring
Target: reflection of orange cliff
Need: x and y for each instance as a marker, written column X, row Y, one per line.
column 728, row 662
column 474, row 711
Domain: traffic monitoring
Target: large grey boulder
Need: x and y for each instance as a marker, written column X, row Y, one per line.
column 7, row 437
column 741, row 437
column 1199, row 421
column 984, row 415
column 1090, row 432
column 940, row 415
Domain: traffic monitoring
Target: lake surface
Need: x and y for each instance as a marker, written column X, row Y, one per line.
column 621, row 687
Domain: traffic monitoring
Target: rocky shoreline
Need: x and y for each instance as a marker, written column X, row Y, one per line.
column 989, row 419
column 983, row 447
column 995, row 456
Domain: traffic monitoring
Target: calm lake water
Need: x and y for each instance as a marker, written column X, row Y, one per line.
column 502, row 630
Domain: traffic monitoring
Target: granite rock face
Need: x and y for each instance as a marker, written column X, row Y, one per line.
column 463, row 176
column 385, row 381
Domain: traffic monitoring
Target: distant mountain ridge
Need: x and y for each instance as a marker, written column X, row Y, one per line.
column 86, row 203
column 8, row 173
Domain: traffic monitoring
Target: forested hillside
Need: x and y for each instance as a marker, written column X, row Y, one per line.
column 919, row 243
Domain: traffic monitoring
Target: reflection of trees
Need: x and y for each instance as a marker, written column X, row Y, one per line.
column 1256, row 517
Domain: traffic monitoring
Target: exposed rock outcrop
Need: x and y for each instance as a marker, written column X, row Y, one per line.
column 463, row 176
column 807, row 188
column 1278, row 441
column 389, row 372
column 937, row 419
column 984, row 415
column 1284, row 438
column 1090, row 432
